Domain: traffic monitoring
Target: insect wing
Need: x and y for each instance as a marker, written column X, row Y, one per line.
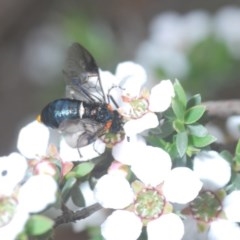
column 81, row 132
column 82, row 76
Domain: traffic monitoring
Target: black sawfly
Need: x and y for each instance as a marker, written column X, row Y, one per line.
column 85, row 114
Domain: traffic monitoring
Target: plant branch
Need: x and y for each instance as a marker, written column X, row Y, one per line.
column 70, row 216
column 223, row 109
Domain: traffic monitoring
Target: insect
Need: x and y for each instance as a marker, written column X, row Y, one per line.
column 85, row 114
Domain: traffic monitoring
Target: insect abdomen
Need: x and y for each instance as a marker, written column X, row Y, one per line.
column 59, row 110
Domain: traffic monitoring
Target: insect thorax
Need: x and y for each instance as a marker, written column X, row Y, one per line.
column 97, row 111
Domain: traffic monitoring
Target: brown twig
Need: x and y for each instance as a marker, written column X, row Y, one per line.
column 223, row 109
column 70, row 216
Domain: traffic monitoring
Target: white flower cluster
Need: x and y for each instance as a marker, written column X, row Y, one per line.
column 22, row 194
column 173, row 35
column 158, row 190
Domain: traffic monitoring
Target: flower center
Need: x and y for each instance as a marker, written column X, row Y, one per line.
column 149, row 204
column 139, row 107
column 7, row 210
column 206, row 207
column 110, row 139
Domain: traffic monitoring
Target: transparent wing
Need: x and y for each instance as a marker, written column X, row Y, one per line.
column 81, row 132
column 82, row 76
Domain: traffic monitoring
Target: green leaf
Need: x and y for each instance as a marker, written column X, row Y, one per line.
column 172, row 150
column 201, row 141
column 77, row 196
column 178, row 109
column 193, row 114
column 227, row 155
column 83, row 169
column 180, row 93
column 237, row 150
column 156, row 141
column 163, row 130
column 66, row 190
column 178, row 126
column 38, row 225
column 235, row 182
column 182, row 143
column 197, row 130
column 169, row 114
column 194, row 100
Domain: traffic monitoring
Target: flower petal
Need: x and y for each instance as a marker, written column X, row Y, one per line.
column 121, row 225
column 167, row 227
column 161, row 96
column 231, row 206
column 113, row 191
column 205, row 164
column 13, row 228
column 151, row 165
column 132, row 77
column 13, row 169
column 69, row 154
column 147, row 121
column 126, row 150
column 182, row 185
column 223, row 229
column 33, row 140
column 37, row 193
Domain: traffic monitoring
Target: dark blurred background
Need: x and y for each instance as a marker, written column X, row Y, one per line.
column 34, row 37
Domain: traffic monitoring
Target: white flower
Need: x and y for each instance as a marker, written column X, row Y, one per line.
column 121, row 194
column 161, row 96
column 205, row 164
column 140, row 110
column 13, row 169
column 15, row 226
column 228, row 16
column 223, row 229
column 121, row 225
column 215, row 172
column 132, row 76
column 37, row 193
column 233, row 126
column 69, row 154
column 164, row 226
column 153, row 167
column 127, row 150
column 33, row 140
column 31, row 197
column 172, row 35
column 135, row 126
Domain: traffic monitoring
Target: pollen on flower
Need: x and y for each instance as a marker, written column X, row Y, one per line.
column 110, row 139
column 7, row 209
column 149, row 204
column 206, row 207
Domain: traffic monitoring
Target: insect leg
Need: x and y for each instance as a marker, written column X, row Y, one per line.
column 110, row 97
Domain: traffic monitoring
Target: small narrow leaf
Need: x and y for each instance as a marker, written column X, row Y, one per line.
column 38, row 225
column 178, row 109
column 193, row 114
column 237, row 150
column 197, row 130
column 77, row 196
column 194, row 100
column 182, row 143
column 66, row 190
column 83, row 169
column 202, row 141
column 178, row 126
column 180, row 93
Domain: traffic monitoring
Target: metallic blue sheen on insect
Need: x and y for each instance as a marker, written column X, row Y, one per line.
column 58, row 111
